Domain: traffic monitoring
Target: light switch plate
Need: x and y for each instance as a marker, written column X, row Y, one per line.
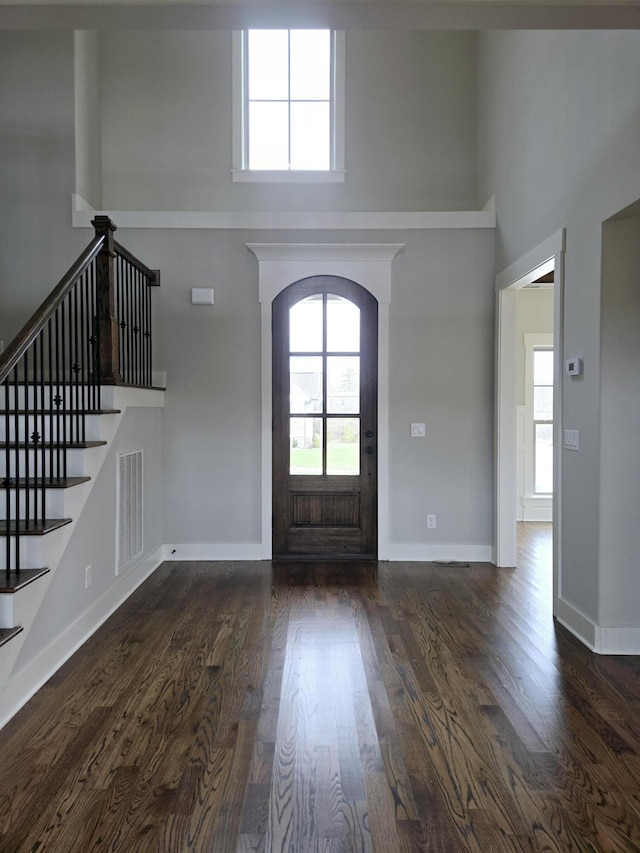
column 418, row 431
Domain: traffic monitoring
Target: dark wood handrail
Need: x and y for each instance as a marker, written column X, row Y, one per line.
column 152, row 275
column 29, row 332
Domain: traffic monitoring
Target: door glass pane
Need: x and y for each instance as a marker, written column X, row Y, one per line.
column 543, row 456
column 305, row 384
column 543, row 403
column 343, row 446
column 343, row 384
column 305, row 325
column 305, row 445
column 343, row 325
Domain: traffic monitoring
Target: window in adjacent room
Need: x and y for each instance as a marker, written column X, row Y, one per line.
column 543, row 420
column 289, row 105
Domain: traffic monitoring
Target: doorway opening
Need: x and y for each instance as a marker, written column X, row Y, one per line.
column 529, row 401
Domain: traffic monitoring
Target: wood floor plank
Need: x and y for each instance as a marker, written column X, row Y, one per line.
column 323, row 707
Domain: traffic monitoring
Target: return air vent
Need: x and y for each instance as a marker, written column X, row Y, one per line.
column 129, row 509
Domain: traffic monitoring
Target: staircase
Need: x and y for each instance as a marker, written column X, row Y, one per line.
column 57, row 384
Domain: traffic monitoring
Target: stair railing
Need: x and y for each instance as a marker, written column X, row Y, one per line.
column 93, row 329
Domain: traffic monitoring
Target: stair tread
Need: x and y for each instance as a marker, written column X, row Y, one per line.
column 48, row 482
column 7, row 634
column 18, row 580
column 38, row 528
column 69, row 445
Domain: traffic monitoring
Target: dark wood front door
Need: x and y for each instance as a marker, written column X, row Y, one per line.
column 325, row 496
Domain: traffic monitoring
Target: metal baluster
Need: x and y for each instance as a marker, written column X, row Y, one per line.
column 53, row 435
column 16, row 469
column 63, row 448
column 7, row 478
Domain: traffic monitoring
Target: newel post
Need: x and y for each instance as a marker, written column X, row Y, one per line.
column 108, row 325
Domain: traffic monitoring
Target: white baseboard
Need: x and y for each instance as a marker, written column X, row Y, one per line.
column 213, row 551
column 603, row 640
column 426, row 551
column 24, row 683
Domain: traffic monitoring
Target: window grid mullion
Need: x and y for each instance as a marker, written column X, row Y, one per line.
column 289, row 95
column 324, row 384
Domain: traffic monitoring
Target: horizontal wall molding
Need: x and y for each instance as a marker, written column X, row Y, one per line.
column 26, row 682
column 426, row 552
column 213, row 551
column 413, row 552
column 82, row 214
column 603, row 640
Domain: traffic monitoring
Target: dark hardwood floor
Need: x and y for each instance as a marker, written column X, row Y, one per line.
column 325, row 707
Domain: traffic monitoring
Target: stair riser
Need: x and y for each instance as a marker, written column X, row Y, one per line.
column 63, row 427
column 76, row 397
column 54, row 503
column 76, row 460
column 31, row 552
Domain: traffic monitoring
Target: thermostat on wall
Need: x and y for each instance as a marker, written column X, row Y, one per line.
column 574, row 366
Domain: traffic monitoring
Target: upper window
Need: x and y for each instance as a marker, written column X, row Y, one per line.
column 288, row 105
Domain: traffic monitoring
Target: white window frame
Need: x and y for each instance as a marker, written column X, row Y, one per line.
column 240, row 171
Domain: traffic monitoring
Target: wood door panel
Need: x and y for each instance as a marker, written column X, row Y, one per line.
column 324, row 541
column 335, row 510
column 325, row 514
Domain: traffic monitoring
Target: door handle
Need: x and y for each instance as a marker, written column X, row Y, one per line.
column 368, row 450
column 369, row 433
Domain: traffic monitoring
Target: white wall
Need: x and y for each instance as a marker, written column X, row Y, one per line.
column 166, row 121
column 534, row 313
column 559, row 123
column 93, row 541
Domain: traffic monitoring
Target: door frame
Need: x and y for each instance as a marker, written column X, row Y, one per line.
column 545, row 257
column 368, row 264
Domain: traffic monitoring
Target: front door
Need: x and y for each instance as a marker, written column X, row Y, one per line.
column 325, row 332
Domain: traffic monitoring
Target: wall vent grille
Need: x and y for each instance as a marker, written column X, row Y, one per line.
column 129, row 509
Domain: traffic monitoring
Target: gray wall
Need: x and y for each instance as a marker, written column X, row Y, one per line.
column 559, row 124
column 37, row 166
column 441, row 322
column 620, row 423
column 166, row 125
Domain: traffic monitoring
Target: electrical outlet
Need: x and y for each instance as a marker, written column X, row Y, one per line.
column 87, row 577
column 431, row 521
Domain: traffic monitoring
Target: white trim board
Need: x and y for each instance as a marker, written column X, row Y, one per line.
column 82, row 213
column 212, row 551
column 424, row 552
column 603, row 640
column 368, row 264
